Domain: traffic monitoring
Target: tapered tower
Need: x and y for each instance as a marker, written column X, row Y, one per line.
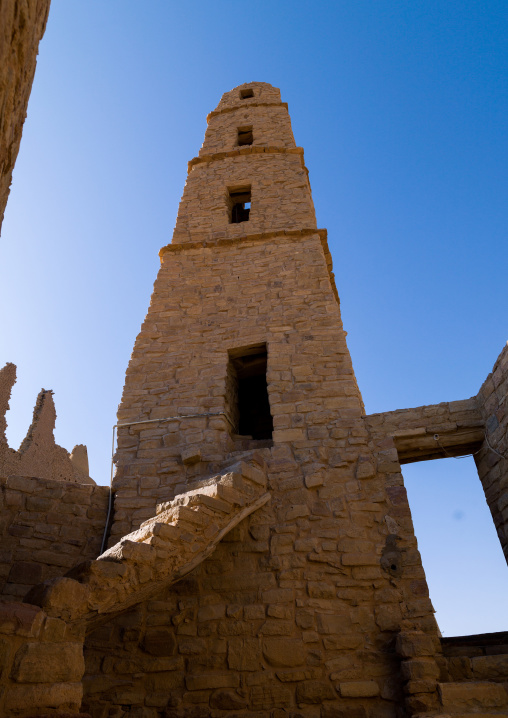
column 243, row 353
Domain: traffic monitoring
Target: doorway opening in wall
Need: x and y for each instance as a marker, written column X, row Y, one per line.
column 247, row 404
column 461, row 553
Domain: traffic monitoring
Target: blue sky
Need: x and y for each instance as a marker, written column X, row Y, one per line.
column 401, row 107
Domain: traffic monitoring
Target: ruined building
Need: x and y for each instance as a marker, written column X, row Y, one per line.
column 261, row 558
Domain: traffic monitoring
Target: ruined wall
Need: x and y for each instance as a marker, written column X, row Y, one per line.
column 46, row 528
column 39, row 455
column 22, row 25
column 492, row 460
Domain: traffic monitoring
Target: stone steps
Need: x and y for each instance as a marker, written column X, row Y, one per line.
column 470, row 699
column 184, row 532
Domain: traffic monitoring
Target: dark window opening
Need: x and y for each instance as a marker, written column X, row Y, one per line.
column 239, row 201
column 247, row 392
column 245, row 94
column 245, row 135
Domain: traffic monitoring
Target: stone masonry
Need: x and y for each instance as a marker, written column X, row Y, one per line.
column 22, row 26
column 261, row 556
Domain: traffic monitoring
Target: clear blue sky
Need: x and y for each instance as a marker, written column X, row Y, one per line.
column 401, row 107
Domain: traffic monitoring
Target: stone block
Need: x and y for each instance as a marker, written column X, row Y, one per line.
column 472, row 696
column 284, row 652
column 244, row 654
column 48, row 663
column 490, row 668
column 212, row 680
column 159, row 642
column 44, row 695
column 314, row 692
column 414, row 644
column 358, row 689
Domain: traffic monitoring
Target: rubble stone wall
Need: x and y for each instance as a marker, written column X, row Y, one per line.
column 492, row 460
column 47, row 527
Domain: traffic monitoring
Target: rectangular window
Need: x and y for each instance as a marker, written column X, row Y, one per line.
column 245, row 94
column 247, row 402
column 239, row 204
column 245, row 135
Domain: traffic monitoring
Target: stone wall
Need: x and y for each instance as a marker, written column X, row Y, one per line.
column 22, row 25
column 492, row 460
column 39, row 455
column 41, row 663
column 47, row 527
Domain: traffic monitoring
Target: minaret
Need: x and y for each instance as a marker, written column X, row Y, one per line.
column 243, row 351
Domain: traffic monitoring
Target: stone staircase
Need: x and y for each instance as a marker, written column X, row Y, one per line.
column 184, row 532
column 474, row 677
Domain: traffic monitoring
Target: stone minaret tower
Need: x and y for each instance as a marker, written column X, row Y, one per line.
column 243, row 351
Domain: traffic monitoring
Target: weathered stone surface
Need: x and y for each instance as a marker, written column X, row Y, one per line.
column 65, row 696
column 284, row 652
column 22, row 27
column 472, row 696
column 359, row 689
column 48, row 663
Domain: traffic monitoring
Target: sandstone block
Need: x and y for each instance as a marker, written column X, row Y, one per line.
column 244, row 654
column 314, row 692
column 227, row 700
column 413, row 644
column 159, row 642
column 358, row 689
column 284, row 652
column 493, row 668
column 44, row 695
column 213, row 680
column 48, row 662
column 474, row 695
column 421, row 668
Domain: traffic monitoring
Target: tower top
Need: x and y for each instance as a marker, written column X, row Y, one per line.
column 250, row 93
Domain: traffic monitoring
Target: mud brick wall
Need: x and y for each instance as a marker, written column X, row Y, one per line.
column 493, row 465
column 22, row 25
column 47, row 527
column 41, row 663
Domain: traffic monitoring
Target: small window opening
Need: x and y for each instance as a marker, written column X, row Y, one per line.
column 245, row 94
column 247, row 402
column 239, row 201
column 245, row 136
